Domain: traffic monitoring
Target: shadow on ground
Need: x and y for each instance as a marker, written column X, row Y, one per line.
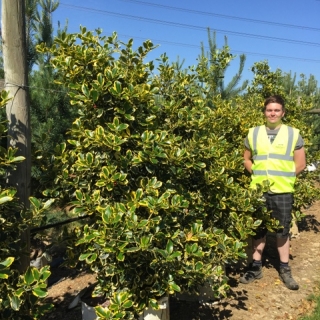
column 309, row 223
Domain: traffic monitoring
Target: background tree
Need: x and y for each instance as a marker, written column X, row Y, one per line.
column 31, row 12
column 51, row 115
column 217, row 76
column 289, row 84
column 43, row 28
column 306, row 89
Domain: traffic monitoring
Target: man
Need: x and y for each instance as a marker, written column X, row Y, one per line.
column 274, row 152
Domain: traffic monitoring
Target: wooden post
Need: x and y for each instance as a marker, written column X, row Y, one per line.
column 16, row 82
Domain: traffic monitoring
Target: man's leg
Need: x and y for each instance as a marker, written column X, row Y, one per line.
column 255, row 270
column 281, row 207
column 258, row 247
column 283, row 245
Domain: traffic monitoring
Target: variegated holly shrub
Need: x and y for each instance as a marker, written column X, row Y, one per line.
column 157, row 166
column 20, row 292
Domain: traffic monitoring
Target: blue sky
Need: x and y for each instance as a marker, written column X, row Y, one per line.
column 286, row 33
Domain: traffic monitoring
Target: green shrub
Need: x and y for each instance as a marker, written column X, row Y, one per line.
column 20, row 293
column 156, row 166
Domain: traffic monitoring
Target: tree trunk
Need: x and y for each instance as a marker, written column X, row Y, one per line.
column 16, row 82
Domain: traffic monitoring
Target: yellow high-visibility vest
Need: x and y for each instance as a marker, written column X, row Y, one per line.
column 273, row 162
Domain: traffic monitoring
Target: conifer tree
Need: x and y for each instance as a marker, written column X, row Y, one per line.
column 51, row 115
column 217, row 77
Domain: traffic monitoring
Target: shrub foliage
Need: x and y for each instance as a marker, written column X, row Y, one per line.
column 20, row 292
column 158, row 165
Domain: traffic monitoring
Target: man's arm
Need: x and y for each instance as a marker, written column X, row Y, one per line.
column 299, row 158
column 247, row 159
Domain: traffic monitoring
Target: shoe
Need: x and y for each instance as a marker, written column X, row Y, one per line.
column 255, row 272
column 286, row 277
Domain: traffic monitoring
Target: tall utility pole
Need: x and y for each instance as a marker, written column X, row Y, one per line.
column 16, row 82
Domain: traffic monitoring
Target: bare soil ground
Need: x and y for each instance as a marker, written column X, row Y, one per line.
column 266, row 299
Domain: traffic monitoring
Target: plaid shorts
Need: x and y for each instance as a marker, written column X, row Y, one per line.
column 280, row 205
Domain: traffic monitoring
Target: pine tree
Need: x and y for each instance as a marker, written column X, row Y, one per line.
column 217, row 76
column 51, row 114
column 31, row 10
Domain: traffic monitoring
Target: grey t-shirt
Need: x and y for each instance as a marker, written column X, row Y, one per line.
column 271, row 135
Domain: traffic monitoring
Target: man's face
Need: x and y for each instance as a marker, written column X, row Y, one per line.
column 274, row 113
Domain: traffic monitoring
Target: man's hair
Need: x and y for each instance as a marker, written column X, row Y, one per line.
column 274, row 99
